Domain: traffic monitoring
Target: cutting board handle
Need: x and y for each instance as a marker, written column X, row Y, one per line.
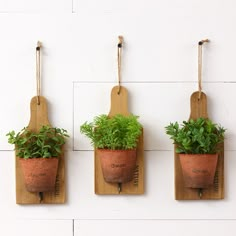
column 38, row 113
column 119, row 101
column 198, row 105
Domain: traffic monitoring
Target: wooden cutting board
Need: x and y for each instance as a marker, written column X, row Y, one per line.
column 199, row 109
column 119, row 105
column 39, row 117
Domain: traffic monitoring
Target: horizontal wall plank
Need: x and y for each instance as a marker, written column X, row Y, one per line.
column 184, row 7
column 157, row 104
column 39, row 6
column 154, row 227
column 15, row 227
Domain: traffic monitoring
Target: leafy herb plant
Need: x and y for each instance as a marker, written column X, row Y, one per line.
column 117, row 133
column 46, row 143
column 199, row 136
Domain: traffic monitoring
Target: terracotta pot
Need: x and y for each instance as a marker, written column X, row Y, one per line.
column 198, row 169
column 117, row 165
column 39, row 173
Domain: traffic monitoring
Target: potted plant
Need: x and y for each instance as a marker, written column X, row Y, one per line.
column 116, row 140
column 197, row 142
column 38, row 155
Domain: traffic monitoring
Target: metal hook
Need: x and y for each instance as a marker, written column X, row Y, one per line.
column 200, row 193
column 39, row 45
column 203, row 41
column 119, row 187
column 40, row 197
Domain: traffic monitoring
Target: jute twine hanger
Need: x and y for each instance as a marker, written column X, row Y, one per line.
column 38, row 71
column 200, row 43
column 119, row 50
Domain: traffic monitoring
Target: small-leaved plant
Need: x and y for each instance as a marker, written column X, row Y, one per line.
column 199, row 136
column 117, row 133
column 46, row 143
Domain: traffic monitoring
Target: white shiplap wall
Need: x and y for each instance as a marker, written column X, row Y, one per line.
column 79, row 69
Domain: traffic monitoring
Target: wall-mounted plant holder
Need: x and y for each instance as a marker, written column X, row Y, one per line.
column 40, row 184
column 38, row 118
column 119, row 105
column 215, row 191
column 199, row 167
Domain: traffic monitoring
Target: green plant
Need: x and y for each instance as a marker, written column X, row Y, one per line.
column 199, row 136
column 46, row 143
column 117, row 132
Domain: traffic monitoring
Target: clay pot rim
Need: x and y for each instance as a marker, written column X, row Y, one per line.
column 32, row 158
column 116, row 150
column 198, row 154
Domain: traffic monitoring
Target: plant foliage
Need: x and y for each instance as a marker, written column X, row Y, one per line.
column 199, row 136
column 46, row 143
column 118, row 132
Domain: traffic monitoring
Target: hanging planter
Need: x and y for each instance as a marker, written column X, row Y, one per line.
column 38, row 153
column 197, row 144
column 198, row 169
column 39, row 173
column 116, row 139
column 117, row 165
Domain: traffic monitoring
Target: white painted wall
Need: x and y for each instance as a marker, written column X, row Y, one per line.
column 79, row 71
